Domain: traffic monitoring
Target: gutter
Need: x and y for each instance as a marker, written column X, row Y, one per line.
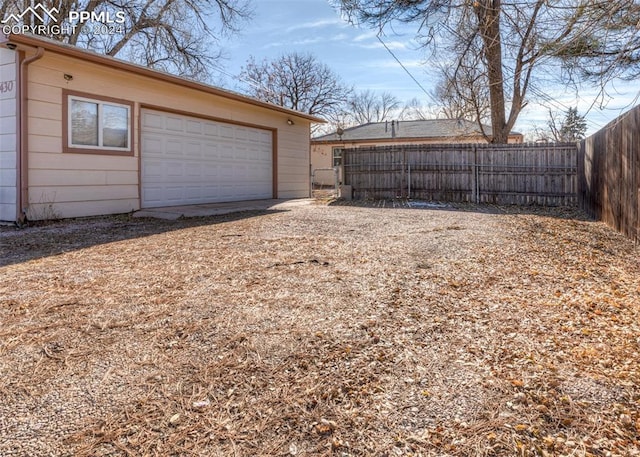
column 22, row 165
column 112, row 62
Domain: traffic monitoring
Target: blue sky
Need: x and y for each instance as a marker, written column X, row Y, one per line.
column 355, row 55
column 360, row 60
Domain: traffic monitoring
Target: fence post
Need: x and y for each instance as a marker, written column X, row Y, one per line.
column 409, row 180
column 475, row 193
column 402, row 175
column 637, row 231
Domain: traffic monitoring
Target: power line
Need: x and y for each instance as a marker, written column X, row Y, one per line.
column 405, row 68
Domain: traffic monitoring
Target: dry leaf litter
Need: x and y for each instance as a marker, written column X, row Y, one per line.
column 327, row 330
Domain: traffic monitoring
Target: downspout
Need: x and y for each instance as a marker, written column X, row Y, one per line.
column 23, row 156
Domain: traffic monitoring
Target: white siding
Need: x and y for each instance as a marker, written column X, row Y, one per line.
column 8, row 124
column 293, row 161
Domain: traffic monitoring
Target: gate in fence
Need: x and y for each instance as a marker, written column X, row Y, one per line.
column 544, row 174
column 325, row 182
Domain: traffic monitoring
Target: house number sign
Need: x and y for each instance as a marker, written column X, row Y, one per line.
column 6, row 86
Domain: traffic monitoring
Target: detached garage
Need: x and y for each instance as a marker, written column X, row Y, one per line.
column 84, row 134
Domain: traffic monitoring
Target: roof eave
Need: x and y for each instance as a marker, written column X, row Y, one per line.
column 390, row 140
column 410, row 138
column 112, row 62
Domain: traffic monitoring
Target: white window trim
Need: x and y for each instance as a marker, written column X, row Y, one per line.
column 100, row 103
column 334, row 157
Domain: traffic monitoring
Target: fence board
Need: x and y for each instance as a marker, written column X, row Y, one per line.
column 609, row 166
column 506, row 174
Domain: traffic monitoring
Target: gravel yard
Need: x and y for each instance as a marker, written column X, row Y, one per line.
column 327, row 330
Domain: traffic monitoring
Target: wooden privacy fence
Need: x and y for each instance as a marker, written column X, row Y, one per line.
column 544, row 174
column 609, row 167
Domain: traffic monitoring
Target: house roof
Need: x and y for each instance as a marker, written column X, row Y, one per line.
column 399, row 130
column 73, row 51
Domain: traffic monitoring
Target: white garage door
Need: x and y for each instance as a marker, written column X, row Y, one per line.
column 187, row 160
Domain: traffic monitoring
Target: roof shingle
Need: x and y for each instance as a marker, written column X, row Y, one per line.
column 429, row 128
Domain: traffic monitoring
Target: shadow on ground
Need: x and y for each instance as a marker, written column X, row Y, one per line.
column 54, row 238
column 560, row 212
column 45, row 239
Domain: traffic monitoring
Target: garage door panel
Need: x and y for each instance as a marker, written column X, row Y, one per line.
column 193, row 170
column 173, row 148
column 211, row 151
column 194, row 127
column 210, row 173
column 174, row 194
column 174, row 170
column 153, row 121
column 193, row 149
column 211, row 192
column 241, row 152
column 256, row 176
column 151, row 144
column 226, row 132
column 226, row 172
column 152, row 170
column 187, row 160
column 192, row 193
column 226, row 151
column 154, row 194
column 226, row 192
column 211, row 129
column 174, row 124
column 243, row 134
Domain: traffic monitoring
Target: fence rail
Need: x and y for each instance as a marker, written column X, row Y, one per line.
column 544, row 174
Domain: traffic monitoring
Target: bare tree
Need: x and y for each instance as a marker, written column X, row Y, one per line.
column 414, row 110
column 463, row 92
column 297, row 81
column 176, row 36
column 508, row 40
column 367, row 106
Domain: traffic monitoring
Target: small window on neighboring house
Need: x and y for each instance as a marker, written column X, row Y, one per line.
column 97, row 125
column 337, row 157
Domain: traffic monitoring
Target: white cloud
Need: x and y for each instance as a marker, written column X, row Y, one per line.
column 321, row 23
column 391, row 63
column 306, row 41
column 365, row 36
column 393, row 45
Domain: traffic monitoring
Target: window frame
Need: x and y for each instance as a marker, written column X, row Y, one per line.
column 67, row 147
column 340, row 156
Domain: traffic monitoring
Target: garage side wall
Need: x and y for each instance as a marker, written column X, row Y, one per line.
column 8, row 143
column 293, row 160
column 64, row 184
column 321, row 156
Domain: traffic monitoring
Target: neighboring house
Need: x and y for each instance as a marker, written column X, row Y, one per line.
column 326, row 151
column 83, row 134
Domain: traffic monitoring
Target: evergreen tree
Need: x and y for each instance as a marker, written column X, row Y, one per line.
column 573, row 127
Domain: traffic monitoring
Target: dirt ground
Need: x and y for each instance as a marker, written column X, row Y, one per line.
column 327, row 330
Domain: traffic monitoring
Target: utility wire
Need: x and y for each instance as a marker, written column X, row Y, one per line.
column 404, row 67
